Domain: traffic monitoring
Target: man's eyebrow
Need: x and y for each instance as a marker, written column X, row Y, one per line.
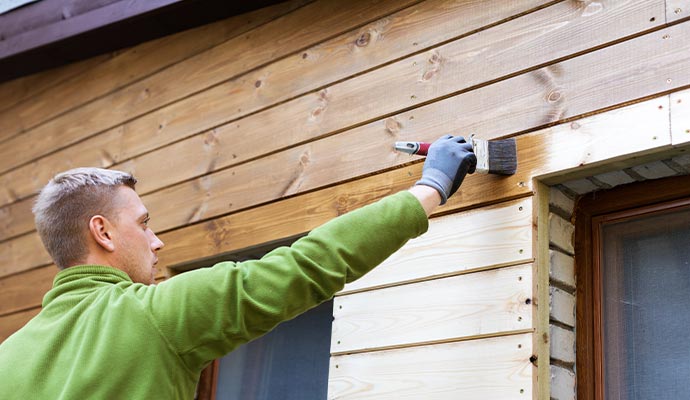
column 144, row 217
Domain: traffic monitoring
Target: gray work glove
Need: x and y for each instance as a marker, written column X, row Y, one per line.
column 448, row 160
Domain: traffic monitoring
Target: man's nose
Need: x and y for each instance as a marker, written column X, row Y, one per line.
column 157, row 244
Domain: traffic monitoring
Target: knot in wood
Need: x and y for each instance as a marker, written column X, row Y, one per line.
column 554, row 96
column 435, row 58
column 363, row 39
column 434, row 62
column 341, row 205
column 305, row 158
column 257, row 84
column 323, row 95
column 211, row 138
column 393, row 126
column 316, row 112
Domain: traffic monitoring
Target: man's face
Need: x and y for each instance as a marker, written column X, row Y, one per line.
column 135, row 243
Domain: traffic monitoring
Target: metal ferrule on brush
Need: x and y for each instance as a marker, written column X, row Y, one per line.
column 407, row 147
column 481, row 151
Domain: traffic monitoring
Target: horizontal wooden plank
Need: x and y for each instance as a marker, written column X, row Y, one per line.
column 13, row 322
column 16, row 219
column 304, row 27
column 130, row 66
column 17, row 90
column 592, row 144
column 384, row 40
column 21, row 254
column 465, row 241
column 25, row 290
column 495, row 368
column 469, row 305
column 680, row 117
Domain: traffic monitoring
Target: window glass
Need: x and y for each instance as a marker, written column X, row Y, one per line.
column 646, row 307
column 290, row 363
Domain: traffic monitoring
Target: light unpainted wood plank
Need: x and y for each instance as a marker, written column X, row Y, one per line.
column 680, row 117
column 391, row 37
column 677, row 10
column 13, row 322
column 495, row 368
column 470, row 305
column 25, row 290
column 129, row 66
column 305, row 26
column 586, row 146
column 465, row 241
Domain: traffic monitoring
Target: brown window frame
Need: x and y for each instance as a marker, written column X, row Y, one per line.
column 633, row 199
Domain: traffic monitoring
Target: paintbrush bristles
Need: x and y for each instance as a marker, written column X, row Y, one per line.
column 495, row 156
column 503, row 157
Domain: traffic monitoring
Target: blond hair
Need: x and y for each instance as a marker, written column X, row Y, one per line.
column 66, row 204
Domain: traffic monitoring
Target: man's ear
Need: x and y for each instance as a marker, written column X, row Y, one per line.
column 100, row 230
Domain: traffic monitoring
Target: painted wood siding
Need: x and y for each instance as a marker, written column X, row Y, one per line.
column 267, row 125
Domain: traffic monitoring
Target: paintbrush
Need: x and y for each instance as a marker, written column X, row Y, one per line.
column 493, row 156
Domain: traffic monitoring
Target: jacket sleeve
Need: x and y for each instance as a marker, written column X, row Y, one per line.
column 206, row 313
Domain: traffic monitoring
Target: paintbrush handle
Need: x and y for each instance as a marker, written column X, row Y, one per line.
column 418, row 148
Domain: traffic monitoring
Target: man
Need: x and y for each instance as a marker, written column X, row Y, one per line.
column 106, row 333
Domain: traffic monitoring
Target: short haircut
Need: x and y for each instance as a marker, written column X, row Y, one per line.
column 66, row 204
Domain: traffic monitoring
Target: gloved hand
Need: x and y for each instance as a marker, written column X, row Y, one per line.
column 448, row 160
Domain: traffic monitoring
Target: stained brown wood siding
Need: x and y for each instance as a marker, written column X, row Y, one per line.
column 262, row 128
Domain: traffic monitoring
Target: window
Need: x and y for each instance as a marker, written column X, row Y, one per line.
column 291, row 362
column 633, row 277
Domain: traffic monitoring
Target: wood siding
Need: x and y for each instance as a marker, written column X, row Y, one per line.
column 266, row 125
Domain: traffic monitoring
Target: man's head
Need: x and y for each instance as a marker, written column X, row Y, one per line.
column 94, row 216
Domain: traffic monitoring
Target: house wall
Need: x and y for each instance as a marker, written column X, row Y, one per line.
column 265, row 126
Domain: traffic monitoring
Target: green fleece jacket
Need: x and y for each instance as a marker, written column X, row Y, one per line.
column 100, row 336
